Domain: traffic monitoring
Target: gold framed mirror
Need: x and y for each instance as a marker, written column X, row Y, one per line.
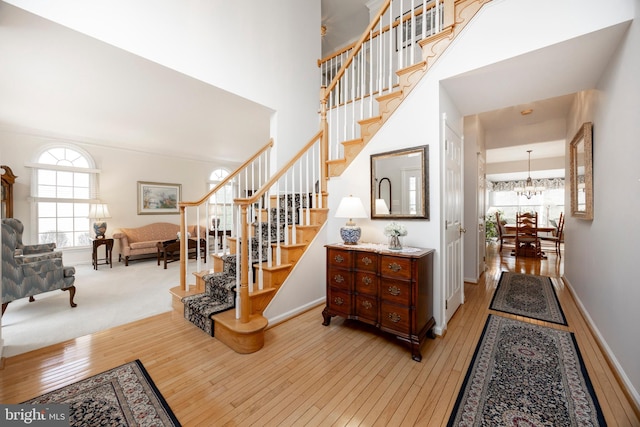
column 400, row 184
column 581, row 172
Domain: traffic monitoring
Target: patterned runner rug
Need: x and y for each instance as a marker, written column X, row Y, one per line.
column 122, row 396
column 528, row 295
column 526, row 375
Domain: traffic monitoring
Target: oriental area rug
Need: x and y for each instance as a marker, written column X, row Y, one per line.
column 528, row 295
column 122, row 396
column 524, row 374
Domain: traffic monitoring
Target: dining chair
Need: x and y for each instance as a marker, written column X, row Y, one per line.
column 502, row 234
column 527, row 240
column 557, row 238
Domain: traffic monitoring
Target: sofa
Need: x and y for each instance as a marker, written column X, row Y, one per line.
column 141, row 242
column 29, row 270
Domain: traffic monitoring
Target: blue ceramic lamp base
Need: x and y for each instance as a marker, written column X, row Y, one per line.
column 350, row 234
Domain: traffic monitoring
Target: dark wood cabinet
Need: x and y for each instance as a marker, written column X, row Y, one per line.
column 8, row 179
column 391, row 290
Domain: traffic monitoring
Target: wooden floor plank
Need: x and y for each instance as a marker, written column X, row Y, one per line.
column 344, row 374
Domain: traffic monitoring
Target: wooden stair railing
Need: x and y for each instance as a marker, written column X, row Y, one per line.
column 365, row 83
column 238, row 179
column 277, row 221
column 299, row 180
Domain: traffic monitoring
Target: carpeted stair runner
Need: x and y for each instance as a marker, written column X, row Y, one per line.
column 219, row 295
column 220, row 287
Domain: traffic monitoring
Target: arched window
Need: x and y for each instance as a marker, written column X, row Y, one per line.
column 221, row 203
column 64, row 183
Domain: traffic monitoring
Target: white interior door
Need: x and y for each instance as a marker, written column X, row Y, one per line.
column 453, row 209
column 481, row 211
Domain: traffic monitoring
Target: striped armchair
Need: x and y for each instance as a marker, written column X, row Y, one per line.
column 28, row 270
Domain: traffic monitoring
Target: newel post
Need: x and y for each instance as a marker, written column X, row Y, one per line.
column 183, row 249
column 324, row 141
column 245, row 306
column 449, row 13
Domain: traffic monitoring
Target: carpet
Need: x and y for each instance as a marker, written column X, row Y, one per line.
column 525, row 374
column 528, row 295
column 122, row 396
column 105, row 297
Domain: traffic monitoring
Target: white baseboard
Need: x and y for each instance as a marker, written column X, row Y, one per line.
column 633, row 393
column 288, row 315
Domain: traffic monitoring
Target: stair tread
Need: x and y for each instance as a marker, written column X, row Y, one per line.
column 261, row 291
column 290, row 245
column 274, row 267
column 228, row 319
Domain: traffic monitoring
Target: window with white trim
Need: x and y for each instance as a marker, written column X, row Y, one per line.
column 221, row 202
column 64, row 183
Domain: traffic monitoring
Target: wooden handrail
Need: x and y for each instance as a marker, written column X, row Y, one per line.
column 417, row 12
column 222, row 183
column 266, row 186
column 244, row 203
column 182, row 206
column 353, row 53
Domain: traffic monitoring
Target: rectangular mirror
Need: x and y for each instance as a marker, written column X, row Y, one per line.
column 399, row 184
column 581, row 172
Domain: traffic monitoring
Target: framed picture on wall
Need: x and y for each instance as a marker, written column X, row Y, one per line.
column 158, row 198
column 581, row 172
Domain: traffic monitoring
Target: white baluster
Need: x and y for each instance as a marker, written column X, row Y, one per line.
column 293, row 205
column 278, row 249
column 307, row 192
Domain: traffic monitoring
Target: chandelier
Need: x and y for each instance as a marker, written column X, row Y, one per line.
column 529, row 190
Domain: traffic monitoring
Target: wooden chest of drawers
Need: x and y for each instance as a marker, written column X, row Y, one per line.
column 392, row 290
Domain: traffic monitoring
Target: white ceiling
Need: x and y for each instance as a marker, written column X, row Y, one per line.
column 345, row 21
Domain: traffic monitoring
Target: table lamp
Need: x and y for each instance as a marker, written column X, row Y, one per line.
column 350, row 207
column 99, row 211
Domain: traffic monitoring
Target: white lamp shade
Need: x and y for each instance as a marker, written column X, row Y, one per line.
column 99, row 211
column 381, row 207
column 351, row 207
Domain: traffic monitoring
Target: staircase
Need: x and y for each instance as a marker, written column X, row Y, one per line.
column 355, row 104
column 280, row 212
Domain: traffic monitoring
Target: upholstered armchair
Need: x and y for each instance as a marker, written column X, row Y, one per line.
column 18, row 227
column 28, row 270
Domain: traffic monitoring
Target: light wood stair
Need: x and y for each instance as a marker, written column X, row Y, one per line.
column 432, row 48
column 249, row 337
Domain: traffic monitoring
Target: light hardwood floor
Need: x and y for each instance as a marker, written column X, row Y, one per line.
column 307, row 374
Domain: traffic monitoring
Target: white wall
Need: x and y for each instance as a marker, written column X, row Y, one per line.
column 600, row 264
column 232, row 45
column 120, row 171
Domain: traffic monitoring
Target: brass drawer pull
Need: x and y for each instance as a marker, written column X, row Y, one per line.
column 367, row 280
column 367, row 305
column 338, row 278
column 366, row 260
column 395, row 267
column 338, row 258
column 394, row 317
column 338, row 301
column 394, row 290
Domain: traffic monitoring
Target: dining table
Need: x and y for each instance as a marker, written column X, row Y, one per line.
column 511, row 229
